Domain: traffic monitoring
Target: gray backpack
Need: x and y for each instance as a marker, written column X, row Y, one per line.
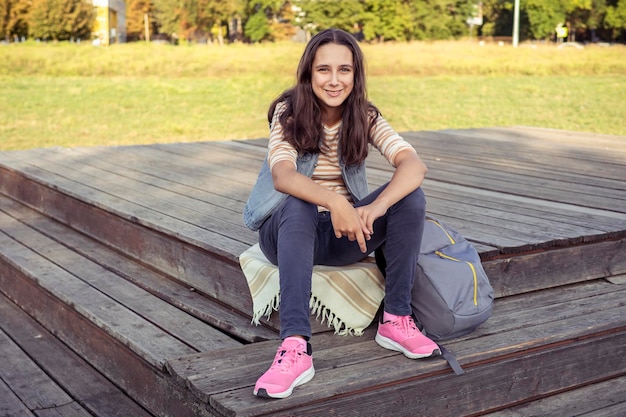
column 452, row 295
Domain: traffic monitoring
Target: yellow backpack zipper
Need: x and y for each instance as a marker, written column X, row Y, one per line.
column 443, row 255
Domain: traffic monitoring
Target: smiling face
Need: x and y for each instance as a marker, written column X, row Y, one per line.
column 332, row 79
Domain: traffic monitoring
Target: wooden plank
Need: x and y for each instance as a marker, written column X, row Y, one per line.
column 213, row 372
column 76, row 377
column 493, row 384
column 193, row 333
column 227, row 162
column 142, row 168
column 464, row 226
column 485, row 233
column 607, row 398
column 65, row 410
column 70, row 201
column 537, row 159
column 549, row 176
column 610, row 144
column 174, row 183
column 210, row 188
column 524, row 180
column 519, row 231
column 129, row 194
column 370, row 389
column 27, row 380
column 468, row 175
column 545, row 269
column 345, row 364
column 619, row 279
column 191, row 302
column 531, row 310
column 505, row 230
column 537, row 300
column 11, row 406
column 510, row 314
column 115, row 359
column 595, row 148
column 562, row 214
column 206, row 170
column 575, row 194
column 611, row 411
column 201, row 265
column 145, row 339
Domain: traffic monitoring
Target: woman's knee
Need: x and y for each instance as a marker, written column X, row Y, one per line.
column 295, row 203
column 415, row 201
column 299, row 210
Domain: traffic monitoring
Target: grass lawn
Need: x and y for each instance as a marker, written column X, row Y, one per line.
column 79, row 95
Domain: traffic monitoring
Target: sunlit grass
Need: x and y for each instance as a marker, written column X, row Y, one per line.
column 280, row 60
column 80, row 95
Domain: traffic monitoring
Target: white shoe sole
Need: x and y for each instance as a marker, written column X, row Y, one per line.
column 305, row 377
column 391, row 345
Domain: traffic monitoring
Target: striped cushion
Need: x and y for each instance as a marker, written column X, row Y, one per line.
column 346, row 298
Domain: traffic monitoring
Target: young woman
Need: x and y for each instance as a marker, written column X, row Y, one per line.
column 312, row 207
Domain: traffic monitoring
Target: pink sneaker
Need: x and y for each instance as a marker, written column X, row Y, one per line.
column 400, row 333
column 292, row 366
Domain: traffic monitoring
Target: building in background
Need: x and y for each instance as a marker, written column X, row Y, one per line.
column 110, row 26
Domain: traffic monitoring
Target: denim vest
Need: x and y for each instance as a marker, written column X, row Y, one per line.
column 264, row 199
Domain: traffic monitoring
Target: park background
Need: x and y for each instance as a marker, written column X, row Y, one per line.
column 211, row 68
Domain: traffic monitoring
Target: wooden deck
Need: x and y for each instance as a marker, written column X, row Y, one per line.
column 121, row 293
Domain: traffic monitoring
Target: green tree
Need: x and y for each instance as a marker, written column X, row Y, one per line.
column 257, row 28
column 318, row 15
column 61, row 19
column 387, row 20
column 13, row 18
column 440, row 19
column 615, row 19
column 268, row 20
column 167, row 14
column 543, row 17
column 497, row 18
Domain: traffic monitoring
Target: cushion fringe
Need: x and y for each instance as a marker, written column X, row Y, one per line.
column 321, row 312
column 267, row 310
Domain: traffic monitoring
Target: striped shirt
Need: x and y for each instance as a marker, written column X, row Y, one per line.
column 327, row 171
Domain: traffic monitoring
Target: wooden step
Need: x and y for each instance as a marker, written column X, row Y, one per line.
column 602, row 399
column 177, row 208
column 122, row 330
column 172, row 292
column 129, row 255
column 578, row 333
column 148, row 230
column 41, row 376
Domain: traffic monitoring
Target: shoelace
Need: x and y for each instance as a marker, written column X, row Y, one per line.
column 286, row 358
column 406, row 325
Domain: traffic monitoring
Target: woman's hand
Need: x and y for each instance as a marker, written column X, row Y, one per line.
column 347, row 222
column 369, row 214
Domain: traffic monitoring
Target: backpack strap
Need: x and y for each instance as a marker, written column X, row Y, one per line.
column 451, row 359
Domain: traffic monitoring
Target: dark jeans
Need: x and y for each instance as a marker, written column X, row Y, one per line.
column 296, row 237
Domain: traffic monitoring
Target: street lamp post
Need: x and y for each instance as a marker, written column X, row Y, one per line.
column 516, row 24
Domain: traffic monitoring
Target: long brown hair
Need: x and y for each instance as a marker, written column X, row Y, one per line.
column 302, row 119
